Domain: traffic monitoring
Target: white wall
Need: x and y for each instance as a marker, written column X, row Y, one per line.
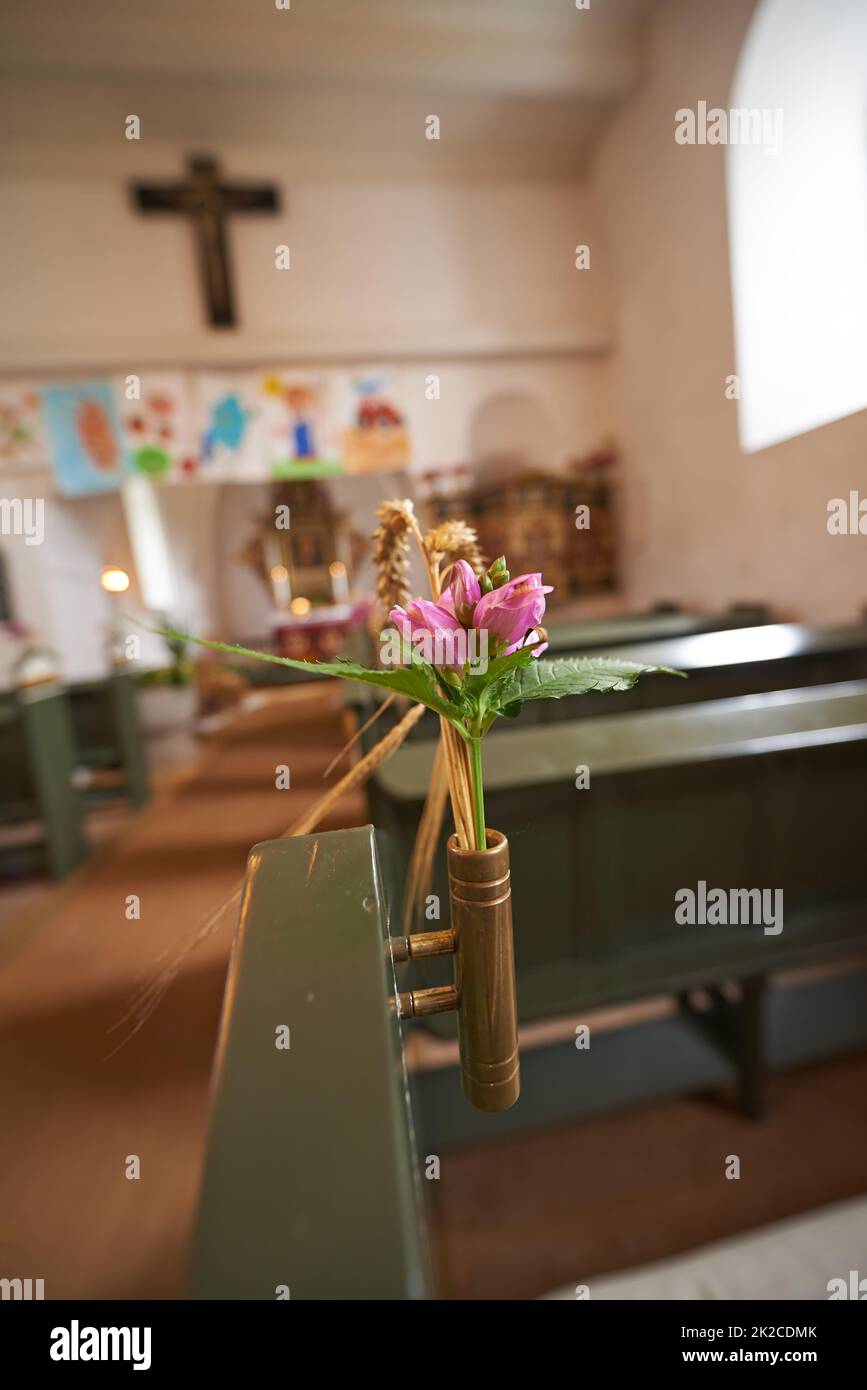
column 473, row 281
column 377, row 270
column 55, row 586
column 706, row 522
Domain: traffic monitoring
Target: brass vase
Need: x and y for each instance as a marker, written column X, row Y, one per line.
column 481, row 908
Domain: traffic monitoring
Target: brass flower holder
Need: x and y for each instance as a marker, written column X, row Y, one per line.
column 484, row 991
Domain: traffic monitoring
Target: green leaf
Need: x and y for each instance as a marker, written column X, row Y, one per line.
column 418, row 680
column 552, row 680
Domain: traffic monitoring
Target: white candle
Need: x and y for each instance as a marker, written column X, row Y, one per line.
column 339, row 582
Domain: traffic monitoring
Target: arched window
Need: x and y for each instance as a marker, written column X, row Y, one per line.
column 798, row 220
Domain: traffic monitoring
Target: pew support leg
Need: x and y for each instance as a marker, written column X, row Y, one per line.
column 736, row 1027
column 751, row 1035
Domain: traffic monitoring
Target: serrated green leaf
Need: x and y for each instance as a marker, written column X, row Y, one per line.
column 552, row 680
column 418, row 680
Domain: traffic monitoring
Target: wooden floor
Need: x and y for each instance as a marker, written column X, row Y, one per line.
column 559, row 1206
column 73, row 1113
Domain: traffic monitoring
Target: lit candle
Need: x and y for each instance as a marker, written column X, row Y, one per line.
column 339, row 582
column 279, row 576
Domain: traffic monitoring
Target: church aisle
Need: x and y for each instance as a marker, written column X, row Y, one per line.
column 73, row 1113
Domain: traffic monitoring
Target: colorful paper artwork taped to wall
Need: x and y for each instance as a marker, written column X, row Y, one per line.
column 21, row 436
column 378, row 440
column 299, row 424
column 85, row 437
column 156, row 429
column 229, row 432
column 208, row 426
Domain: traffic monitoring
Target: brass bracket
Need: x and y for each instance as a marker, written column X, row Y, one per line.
column 418, row 1002
column 414, row 1004
column 422, row 944
column 442, row 999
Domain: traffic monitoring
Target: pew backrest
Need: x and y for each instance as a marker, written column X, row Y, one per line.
column 761, row 791
column 36, row 743
column 587, row 635
column 108, row 732
column 719, row 664
column 311, row 1188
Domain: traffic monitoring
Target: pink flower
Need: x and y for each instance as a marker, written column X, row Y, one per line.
column 433, row 631
column 463, row 593
column 510, row 613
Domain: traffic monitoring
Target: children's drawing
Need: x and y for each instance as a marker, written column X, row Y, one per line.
column 378, row 440
column 21, row 435
column 156, row 428
column 228, row 428
column 299, row 423
column 84, row 437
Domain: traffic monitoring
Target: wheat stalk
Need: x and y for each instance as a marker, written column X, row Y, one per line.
column 426, row 841
column 363, row 769
column 391, row 552
column 451, row 541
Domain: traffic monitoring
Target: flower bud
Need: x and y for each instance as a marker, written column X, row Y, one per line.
column 498, row 572
column 464, row 592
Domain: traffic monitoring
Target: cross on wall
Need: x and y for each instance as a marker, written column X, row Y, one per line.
column 208, row 202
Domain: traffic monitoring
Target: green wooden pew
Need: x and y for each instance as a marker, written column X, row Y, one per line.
column 760, row 791
column 311, row 1189
column 745, row 661
column 718, row 663
column 109, row 737
column 37, row 755
column 585, row 635
column 660, row 624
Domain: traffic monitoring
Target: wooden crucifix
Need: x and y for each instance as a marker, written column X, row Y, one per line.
column 207, row 201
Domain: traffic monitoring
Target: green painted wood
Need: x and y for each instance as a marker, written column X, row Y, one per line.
column 515, row 754
column 129, row 734
column 48, row 736
column 763, row 791
column 109, row 735
column 18, row 799
column 310, row 1178
column 722, row 664
column 93, row 724
column 586, row 635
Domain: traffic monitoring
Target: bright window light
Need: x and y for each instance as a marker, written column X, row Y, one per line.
column 798, row 220
column 150, row 546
